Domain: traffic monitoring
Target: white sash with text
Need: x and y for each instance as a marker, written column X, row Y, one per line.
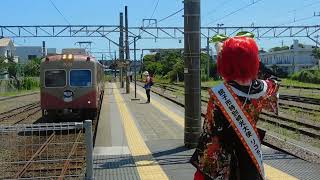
column 248, row 136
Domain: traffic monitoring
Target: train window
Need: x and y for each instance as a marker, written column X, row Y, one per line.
column 55, row 78
column 80, row 78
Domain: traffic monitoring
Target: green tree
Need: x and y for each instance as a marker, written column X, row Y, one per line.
column 279, row 48
column 279, row 72
column 3, row 66
column 161, row 63
column 10, row 68
column 177, row 71
column 32, row 68
column 316, row 53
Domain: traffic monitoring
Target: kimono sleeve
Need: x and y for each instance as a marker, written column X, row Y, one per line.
column 270, row 101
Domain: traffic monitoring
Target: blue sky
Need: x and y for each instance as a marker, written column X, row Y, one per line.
column 264, row 12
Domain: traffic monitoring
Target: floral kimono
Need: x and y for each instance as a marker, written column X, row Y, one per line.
column 220, row 154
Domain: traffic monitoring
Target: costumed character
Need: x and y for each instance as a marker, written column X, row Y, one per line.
column 229, row 146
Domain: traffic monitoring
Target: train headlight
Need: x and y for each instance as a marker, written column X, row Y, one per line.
column 70, row 56
column 67, row 57
column 64, row 56
column 89, row 102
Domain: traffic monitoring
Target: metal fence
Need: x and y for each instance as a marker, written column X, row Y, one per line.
column 46, row 151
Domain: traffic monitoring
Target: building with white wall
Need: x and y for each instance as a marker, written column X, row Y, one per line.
column 294, row 59
column 7, row 50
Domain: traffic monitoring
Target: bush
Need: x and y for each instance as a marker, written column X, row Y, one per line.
column 32, row 68
column 28, row 83
column 308, row 76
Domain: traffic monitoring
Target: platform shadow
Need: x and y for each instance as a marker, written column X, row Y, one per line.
column 129, row 161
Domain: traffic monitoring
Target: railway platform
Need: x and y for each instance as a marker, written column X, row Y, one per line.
column 135, row 140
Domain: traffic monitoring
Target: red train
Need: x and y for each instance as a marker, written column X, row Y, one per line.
column 71, row 84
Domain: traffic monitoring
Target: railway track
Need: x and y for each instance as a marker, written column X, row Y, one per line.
column 302, row 99
column 20, row 114
column 299, row 99
column 276, row 132
column 54, row 168
column 57, row 153
column 18, row 96
column 304, row 127
column 284, row 86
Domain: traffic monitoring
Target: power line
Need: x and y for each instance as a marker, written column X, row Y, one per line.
column 307, row 5
column 167, row 17
column 154, row 10
column 297, row 20
column 234, row 12
column 59, row 12
column 294, row 10
column 218, row 7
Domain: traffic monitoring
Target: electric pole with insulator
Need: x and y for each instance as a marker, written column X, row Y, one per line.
column 192, row 72
column 127, row 49
column 121, row 52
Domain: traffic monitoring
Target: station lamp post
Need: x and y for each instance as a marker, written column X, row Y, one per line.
column 135, row 38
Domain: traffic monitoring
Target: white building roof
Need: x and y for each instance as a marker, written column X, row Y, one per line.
column 4, row 42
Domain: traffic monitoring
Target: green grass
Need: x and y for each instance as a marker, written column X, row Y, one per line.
column 298, row 113
column 211, row 83
column 286, row 82
column 289, row 82
column 288, row 134
column 300, row 92
column 20, row 92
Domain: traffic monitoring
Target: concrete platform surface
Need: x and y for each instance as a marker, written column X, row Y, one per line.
column 136, row 140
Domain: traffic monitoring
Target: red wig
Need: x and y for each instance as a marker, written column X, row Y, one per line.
column 239, row 59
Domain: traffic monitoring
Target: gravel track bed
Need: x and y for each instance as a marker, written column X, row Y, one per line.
column 7, row 105
column 26, row 114
column 19, row 147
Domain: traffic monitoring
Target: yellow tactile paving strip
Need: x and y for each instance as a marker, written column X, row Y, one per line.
column 148, row 169
column 271, row 173
column 276, row 174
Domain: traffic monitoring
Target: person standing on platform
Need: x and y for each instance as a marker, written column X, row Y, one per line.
column 229, row 146
column 130, row 75
column 148, row 83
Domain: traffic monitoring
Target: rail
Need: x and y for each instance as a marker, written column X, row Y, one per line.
column 305, row 128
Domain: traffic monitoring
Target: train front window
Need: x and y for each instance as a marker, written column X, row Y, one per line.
column 55, row 78
column 80, row 78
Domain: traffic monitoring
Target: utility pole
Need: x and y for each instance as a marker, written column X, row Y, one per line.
column 135, row 67
column 127, row 49
column 208, row 53
column 317, row 41
column 121, row 52
column 192, row 72
column 43, row 48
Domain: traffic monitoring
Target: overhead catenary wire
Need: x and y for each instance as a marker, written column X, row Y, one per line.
column 307, row 5
column 234, row 12
column 167, row 17
column 162, row 19
column 154, row 10
column 294, row 11
column 52, row 3
column 297, row 20
column 219, row 6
